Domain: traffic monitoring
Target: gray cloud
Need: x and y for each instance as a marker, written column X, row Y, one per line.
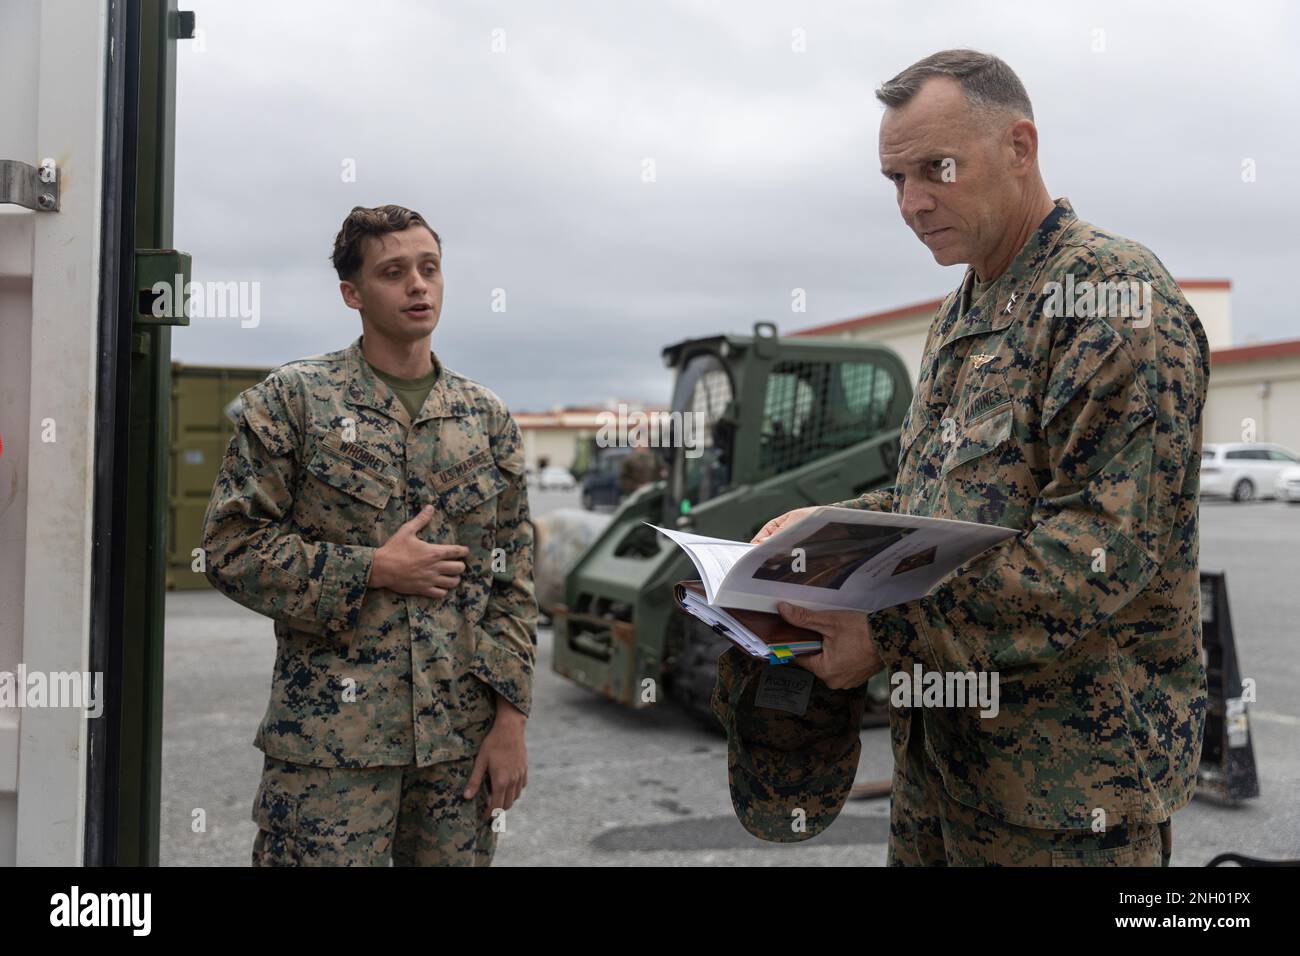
column 529, row 162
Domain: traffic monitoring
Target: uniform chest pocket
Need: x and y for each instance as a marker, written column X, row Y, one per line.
column 340, row 472
column 470, row 508
column 464, row 499
column 977, row 439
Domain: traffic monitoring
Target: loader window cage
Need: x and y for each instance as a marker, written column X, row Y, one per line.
column 704, row 392
column 814, row 409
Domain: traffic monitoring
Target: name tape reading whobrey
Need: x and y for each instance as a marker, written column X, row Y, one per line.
column 362, row 455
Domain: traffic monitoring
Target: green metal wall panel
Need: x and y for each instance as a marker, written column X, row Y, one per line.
column 200, row 431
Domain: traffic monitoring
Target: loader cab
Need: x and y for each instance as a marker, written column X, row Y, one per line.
column 800, row 405
column 758, row 425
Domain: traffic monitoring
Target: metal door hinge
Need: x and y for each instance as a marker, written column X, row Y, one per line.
column 32, row 187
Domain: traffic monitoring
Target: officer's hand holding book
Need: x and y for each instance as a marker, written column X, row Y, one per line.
column 407, row 565
column 779, row 522
column 848, row 657
column 801, row 590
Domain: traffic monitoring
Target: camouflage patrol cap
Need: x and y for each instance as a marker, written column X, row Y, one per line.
column 780, row 763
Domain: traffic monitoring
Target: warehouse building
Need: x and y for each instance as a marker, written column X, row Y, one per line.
column 1254, row 387
column 566, row 437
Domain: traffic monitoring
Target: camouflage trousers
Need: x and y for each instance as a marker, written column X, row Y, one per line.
column 372, row 816
column 929, row 828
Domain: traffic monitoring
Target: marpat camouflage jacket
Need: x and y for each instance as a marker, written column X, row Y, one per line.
column 324, row 467
column 1083, row 432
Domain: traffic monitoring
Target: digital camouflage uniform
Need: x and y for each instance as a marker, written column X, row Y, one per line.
column 1084, row 433
column 789, row 773
column 379, row 700
column 640, row 467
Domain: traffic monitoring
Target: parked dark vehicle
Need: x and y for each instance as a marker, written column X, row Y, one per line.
column 600, row 483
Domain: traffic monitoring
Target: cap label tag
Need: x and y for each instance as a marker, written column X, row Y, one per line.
column 784, row 688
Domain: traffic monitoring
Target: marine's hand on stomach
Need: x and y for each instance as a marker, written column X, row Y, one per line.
column 407, row 565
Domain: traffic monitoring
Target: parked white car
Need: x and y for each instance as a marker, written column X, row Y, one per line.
column 554, row 477
column 1288, row 485
column 1244, row 471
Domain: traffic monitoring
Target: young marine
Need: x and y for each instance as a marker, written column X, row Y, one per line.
column 372, row 503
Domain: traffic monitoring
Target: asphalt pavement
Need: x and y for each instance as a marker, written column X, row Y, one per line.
column 614, row 787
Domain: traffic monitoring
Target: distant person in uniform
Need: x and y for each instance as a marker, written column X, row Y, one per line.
column 372, row 502
column 639, row 467
column 1061, row 391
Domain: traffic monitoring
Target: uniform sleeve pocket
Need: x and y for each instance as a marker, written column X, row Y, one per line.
column 912, row 423
column 338, row 471
column 1089, row 349
column 978, row 439
column 263, row 413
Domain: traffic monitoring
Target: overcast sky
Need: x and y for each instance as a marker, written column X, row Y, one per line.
column 529, row 161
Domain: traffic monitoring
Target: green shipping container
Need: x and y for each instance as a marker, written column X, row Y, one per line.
column 202, row 398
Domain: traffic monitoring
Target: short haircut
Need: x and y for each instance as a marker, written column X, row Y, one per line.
column 988, row 82
column 349, row 244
